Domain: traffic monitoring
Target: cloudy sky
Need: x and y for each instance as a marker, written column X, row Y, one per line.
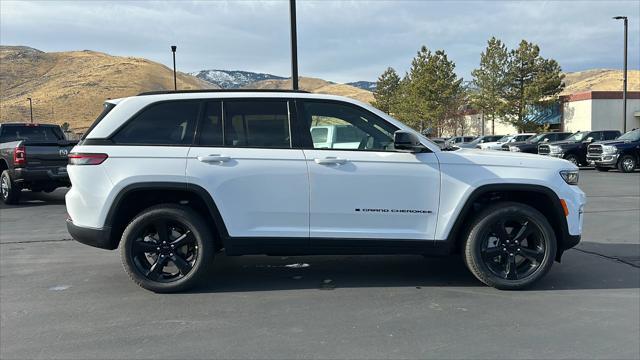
column 338, row 40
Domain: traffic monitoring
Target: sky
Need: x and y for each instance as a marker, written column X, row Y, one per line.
column 339, row 41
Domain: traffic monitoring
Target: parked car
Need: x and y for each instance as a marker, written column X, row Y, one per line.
column 480, row 140
column 497, row 145
column 33, row 157
column 458, row 140
column 251, row 181
column 623, row 153
column 531, row 145
column 574, row 147
column 439, row 141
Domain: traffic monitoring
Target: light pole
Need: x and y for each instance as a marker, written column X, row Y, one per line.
column 624, row 81
column 30, row 109
column 175, row 82
column 294, row 44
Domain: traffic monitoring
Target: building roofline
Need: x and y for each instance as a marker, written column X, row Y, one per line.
column 599, row 95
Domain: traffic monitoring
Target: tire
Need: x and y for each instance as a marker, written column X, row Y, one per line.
column 186, row 262
column 9, row 191
column 627, row 163
column 533, row 262
column 573, row 159
column 603, row 169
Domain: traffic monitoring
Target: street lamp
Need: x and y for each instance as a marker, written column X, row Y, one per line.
column 624, row 81
column 30, row 109
column 294, row 44
column 175, row 83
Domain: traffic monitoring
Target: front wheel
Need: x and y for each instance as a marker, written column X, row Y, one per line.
column 572, row 159
column 627, row 163
column 167, row 248
column 510, row 246
column 9, row 190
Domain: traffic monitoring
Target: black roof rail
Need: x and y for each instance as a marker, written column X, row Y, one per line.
column 162, row 92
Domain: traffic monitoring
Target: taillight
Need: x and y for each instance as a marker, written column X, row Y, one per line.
column 87, row 159
column 19, row 156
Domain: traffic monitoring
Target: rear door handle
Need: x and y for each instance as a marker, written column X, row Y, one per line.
column 213, row 158
column 330, row 160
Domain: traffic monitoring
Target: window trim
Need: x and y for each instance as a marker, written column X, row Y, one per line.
column 307, row 141
column 112, row 141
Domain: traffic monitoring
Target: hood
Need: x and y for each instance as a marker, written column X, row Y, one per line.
column 504, row 159
column 561, row 142
column 612, row 142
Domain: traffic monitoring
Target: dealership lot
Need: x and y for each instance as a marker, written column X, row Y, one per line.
column 61, row 299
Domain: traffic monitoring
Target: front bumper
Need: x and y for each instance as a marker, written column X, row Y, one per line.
column 556, row 155
column 100, row 238
column 603, row 160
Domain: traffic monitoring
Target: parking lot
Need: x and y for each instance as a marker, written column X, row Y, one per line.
column 62, row 299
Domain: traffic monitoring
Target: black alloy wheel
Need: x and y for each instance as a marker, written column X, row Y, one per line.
column 510, row 246
column 167, row 248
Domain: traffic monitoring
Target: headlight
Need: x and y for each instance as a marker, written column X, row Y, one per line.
column 555, row 149
column 570, row 176
column 608, row 149
column 514, row 148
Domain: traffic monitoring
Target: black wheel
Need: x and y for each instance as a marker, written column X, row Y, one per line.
column 167, row 248
column 627, row 163
column 9, row 191
column 510, row 246
column 573, row 159
column 603, row 169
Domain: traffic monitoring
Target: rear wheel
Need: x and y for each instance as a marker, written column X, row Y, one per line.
column 9, row 191
column 627, row 163
column 510, row 246
column 167, row 248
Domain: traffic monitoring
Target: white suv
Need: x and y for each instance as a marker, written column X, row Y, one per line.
column 174, row 177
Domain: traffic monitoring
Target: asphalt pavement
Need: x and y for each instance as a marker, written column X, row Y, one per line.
column 62, row 299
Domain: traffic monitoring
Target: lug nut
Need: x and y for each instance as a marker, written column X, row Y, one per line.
column 510, row 254
column 172, row 246
column 518, row 249
column 170, row 254
column 164, row 242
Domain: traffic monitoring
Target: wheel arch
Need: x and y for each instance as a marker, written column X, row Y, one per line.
column 134, row 198
column 542, row 198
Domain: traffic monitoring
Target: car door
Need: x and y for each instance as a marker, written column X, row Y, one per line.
column 243, row 157
column 372, row 191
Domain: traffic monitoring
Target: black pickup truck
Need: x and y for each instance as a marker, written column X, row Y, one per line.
column 622, row 153
column 33, row 157
column 531, row 145
column 574, row 148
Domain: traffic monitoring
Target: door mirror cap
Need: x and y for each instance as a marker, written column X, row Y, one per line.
column 405, row 140
column 589, row 140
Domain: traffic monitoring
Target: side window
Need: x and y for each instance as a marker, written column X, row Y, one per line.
column 596, row 135
column 257, row 123
column 341, row 126
column 211, row 125
column 610, row 135
column 167, row 123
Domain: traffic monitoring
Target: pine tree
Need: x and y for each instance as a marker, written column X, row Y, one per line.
column 531, row 81
column 490, row 81
column 386, row 90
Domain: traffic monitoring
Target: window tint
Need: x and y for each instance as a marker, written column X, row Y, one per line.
column 596, row 135
column 30, row 132
column 347, row 127
column 211, row 126
column 168, row 123
column 610, row 135
column 319, row 135
column 257, row 123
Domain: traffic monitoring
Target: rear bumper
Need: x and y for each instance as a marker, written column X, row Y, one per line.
column 100, row 238
column 51, row 174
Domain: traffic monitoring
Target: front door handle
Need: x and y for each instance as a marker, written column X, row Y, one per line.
column 330, row 160
column 213, row 158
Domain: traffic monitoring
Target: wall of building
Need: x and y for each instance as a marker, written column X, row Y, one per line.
column 577, row 115
column 607, row 114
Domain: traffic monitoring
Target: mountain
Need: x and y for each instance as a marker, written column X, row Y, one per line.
column 364, row 85
column 600, row 80
column 233, row 79
column 71, row 86
column 316, row 85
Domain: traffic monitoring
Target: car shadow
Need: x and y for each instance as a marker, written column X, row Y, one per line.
column 578, row 270
column 30, row 199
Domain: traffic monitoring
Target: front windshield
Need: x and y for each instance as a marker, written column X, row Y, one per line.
column 577, row 136
column 504, row 138
column 633, row 135
column 536, row 138
column 477, row 140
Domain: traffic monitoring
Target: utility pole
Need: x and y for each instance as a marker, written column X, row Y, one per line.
column 294, row 45
column 175, row 82
column 30, row 109
column 624, row 80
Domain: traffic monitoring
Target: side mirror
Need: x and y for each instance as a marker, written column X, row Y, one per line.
column 589, row 140
column 545, row 140
column 404, row 140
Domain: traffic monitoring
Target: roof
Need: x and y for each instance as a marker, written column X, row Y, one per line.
column 162, row 92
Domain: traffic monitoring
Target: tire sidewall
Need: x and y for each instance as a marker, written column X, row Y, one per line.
column 201, row 233
column 572, row 156
column 621, row 163
column 13, row 193
column 473, row 245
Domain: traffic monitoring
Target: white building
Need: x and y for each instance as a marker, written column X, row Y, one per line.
column 599, row 110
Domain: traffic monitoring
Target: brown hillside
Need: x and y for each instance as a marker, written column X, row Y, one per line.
column 71, row 86
column 600, row 80
column 316, row 86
